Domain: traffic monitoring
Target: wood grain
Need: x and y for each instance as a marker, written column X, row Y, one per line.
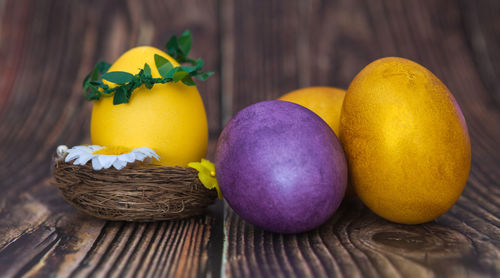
column 339, row 38
column 482, row 26
column 261, row 50
column 260, row 39
column 47, row 47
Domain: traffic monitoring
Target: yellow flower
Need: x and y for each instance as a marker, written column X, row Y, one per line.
column 206, row 174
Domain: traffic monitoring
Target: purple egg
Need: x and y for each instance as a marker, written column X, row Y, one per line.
column 281, row 167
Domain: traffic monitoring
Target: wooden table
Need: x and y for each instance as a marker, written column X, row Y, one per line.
column 260, row 50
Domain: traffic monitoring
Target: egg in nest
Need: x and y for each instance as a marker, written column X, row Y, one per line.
column 169, row 118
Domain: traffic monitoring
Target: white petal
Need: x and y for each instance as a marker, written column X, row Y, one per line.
column 107, row 160
column 140, row 156
column 127, row 157
column 144, row 150
column 156, row 156
column 148, row 152
column 96, row 164
column 119, row 164
column 82, row 148
column 83, row 159
column 95, row 148
column 72, row 154
column 153, row 154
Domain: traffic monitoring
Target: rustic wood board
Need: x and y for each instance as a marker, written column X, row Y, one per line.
column 304, row 43
column 46, row 49
column 261, row 50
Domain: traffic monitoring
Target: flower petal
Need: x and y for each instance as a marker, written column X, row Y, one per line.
column 140, row 156
column 83, row 159
column 107, row 160
column 142, row 150
column 207, row 181
column 147, row 151
column 72, row 154
column 96, row 165
column 127, row 157
column 216, row 185
column 94, row 148
column 208, row 164
column 205, row 170
column 80, row 148
column 197, row 166
column 157, row 157
column 119, row 164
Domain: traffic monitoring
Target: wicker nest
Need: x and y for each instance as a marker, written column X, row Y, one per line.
column 146, row 193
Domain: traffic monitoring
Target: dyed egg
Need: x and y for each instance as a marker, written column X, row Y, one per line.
column 406, row 141
column 281, row 167
column 169, row 118
column 326, row 102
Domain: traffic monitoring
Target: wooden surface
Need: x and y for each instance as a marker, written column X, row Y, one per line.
column 260, row 50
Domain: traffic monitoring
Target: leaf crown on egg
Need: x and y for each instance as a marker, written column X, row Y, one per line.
column 177, row 47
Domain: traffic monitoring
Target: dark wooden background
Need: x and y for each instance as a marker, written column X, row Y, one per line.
column 259, row 50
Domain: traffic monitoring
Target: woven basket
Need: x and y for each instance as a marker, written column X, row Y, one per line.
column 139, row 193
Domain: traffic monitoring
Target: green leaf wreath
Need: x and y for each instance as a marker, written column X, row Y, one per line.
column 178, row 48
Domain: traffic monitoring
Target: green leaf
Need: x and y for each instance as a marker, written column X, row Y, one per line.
column 103, row 67
column 129, row 91
column 147, row 70
column 95, row 74
column 163, row 65
column 85, row 81
column 97, row 83
column 184, row 42
column 95, row 91
column 180, row 47
column 188, row 81
column 126, row 83
column 172, row 48
column 120, row 96
column 198, row 65
column 171, row 72
column 191, row 69
column 188, row 69
column 92, row 93
column 203, row 75
column 118, row 77
column 179, row 75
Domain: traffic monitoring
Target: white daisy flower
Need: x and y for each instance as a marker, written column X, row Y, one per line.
column 105, row 157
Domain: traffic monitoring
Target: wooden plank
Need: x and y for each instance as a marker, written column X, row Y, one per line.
column 340, row 38
column 47, row 48
column 260, row 40
column 482, row 26
column 269, row 48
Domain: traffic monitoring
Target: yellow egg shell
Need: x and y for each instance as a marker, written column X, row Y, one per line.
column 326, row 102
column 406, row 141
column 170, row 118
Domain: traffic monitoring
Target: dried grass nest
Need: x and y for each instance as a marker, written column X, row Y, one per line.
column 139, row 193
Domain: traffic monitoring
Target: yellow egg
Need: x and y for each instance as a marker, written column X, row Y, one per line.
column 406, row 141
column 170, row 118
column 326, row 102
